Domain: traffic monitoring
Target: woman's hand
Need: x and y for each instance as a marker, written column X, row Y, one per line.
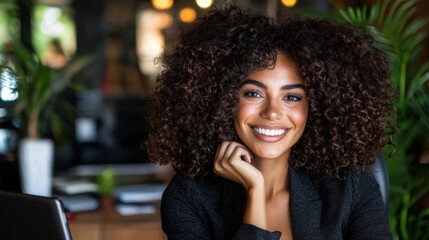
column 233, row 161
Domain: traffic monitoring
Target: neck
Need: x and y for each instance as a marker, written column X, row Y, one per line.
column 276, row 175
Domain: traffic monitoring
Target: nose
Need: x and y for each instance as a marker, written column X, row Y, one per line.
column 271, row 110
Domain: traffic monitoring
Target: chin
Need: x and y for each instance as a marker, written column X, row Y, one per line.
column 275, row 154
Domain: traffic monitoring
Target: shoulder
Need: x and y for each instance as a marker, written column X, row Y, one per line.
column 198, row 190
column 188, row 187
column 355, row 183
column 349, row 209
column 186, row 199
column 208, row 205
column 347, row 196
column 351, row 195
column 179, row 186
column 362, row 181
column 362, row 184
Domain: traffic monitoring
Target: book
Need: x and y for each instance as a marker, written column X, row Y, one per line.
column 133, row 209
column 139, row 193
column 79, row 203
column 71, row 187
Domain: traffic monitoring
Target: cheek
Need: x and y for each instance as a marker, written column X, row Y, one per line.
column 239, row 117
column 244, row 112
column 299, row 117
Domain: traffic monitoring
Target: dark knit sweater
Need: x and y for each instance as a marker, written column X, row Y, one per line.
column 321, row 208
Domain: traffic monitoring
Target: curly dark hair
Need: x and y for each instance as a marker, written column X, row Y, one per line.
column 350, row 117
column 196, row 94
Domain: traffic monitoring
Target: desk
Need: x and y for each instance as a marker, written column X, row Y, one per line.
column 109, row 225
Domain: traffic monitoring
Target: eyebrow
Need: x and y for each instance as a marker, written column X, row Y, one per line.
column 261, row 85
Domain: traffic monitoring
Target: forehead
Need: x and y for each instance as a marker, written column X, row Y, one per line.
column 285, row 71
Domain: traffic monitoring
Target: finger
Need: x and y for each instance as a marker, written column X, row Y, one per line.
column 245, row 173
column 226, row 172
column 228, row 155
column 246, row 155
column 247, row 158
column 220, row 153
column 229, row 150
column 219, row 148
column 242, row 154
column 247, row 149
column 222, row 165
column 224, row 155
column 219, row 158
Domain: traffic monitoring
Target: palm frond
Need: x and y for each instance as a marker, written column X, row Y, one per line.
column 373, row 13
column 420, row 78
column 420, row 225
column 381, row 10
column 403, row 14
column 395, row 31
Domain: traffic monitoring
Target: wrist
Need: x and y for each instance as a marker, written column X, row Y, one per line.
column 256, row 190
column 255, row 213
column 258, row 185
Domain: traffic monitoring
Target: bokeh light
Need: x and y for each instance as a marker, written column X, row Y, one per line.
column 162, row 4
column 204, row 3
column 187, row 15
column 7, row 94
column 150, row 39
column 50, row 23
column 8, row 84
column 289, row 3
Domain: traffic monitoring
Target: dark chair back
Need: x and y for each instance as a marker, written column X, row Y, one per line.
column 379, row 172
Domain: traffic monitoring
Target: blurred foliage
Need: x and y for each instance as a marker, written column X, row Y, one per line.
column 53, row 23
column 9, row 22
column 398, row 32
column 41, row 106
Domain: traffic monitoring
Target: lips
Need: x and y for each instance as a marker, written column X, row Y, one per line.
column 269, row 133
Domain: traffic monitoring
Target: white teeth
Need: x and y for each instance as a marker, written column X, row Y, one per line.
column 270, row 132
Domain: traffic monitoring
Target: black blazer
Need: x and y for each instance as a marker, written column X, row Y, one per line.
column 321, row 208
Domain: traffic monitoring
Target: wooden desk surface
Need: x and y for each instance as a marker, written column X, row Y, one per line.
column 110, row 225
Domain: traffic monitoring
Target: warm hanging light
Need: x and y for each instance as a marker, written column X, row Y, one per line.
column 289, row 3
column 150, row 40
column 204, row 3
column 187, row 15
column 162, row 4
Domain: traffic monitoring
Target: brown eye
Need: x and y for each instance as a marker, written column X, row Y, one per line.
column 293, row 98
column 252, row 94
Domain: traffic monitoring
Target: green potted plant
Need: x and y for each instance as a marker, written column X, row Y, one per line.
column 106, row 182
column 397, row 31
column 40, row 109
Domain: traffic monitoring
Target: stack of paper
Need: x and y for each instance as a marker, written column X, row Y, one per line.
column 79, row 203
column 133, row 209
column 71, row 187
column 138, row 199
column 139, row 193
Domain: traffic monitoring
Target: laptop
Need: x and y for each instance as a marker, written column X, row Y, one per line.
column 32, row 217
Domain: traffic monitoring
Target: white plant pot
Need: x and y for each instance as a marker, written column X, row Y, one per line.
column 36, row 164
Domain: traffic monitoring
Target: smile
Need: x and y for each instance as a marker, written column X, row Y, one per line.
column 269, row 132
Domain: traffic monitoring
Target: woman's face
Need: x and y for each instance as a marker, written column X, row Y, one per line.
column 272, row 110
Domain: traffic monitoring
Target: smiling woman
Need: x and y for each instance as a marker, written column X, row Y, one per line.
column 272, row 111
column 271, row 116
column 272, row 129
